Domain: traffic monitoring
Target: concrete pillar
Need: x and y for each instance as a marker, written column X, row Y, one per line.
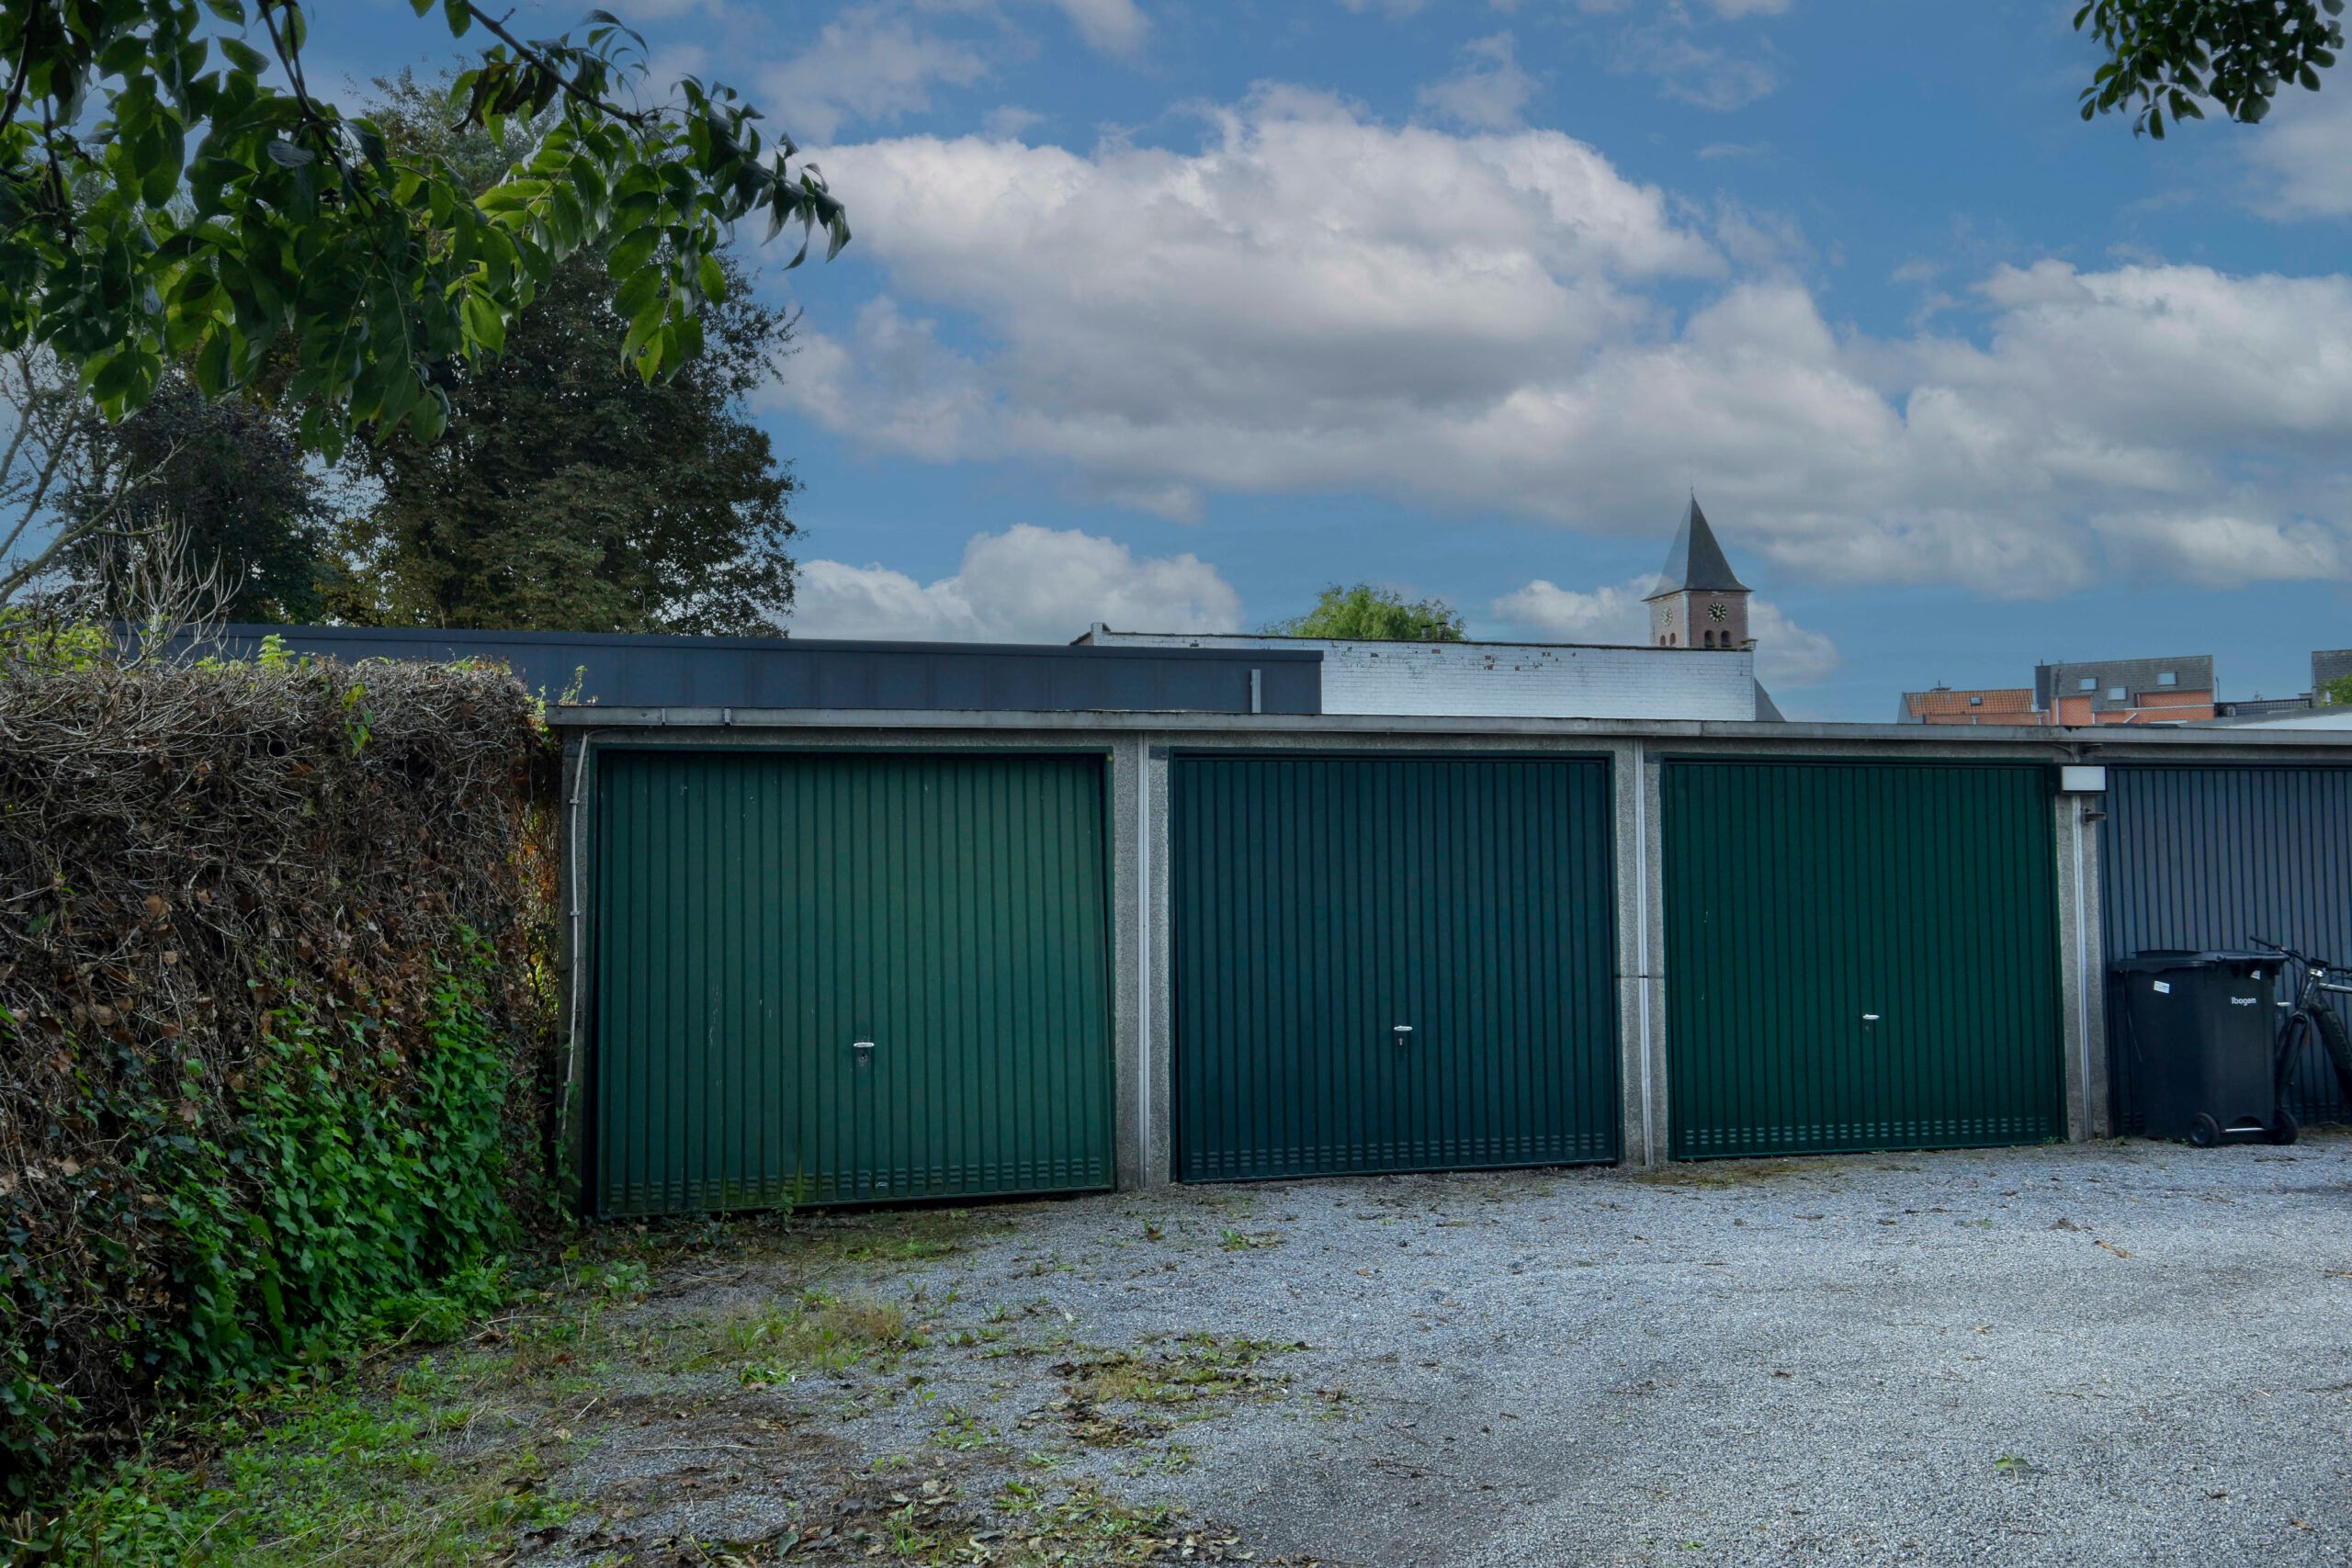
column 2082, row 964
column 1154, row 955
column 1641, row 940
column 1130, row 916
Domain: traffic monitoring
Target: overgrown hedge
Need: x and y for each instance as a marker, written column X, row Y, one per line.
column 274, row 1019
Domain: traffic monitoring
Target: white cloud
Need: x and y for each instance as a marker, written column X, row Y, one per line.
column 1707, row 76
column 1115, row 27
column 2298, row 155
column 1026, row 584
column 1009, row 123
column 873, row 63
column 1610, row 613
column 1313, row 300
column 1488, row 91
column 880, row 61
column 2224, row 549
column 1786, row 653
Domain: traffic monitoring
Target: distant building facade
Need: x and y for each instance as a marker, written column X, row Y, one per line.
column 1994, row 704
column 2329, row 665
column 2117, row 691
column 2126, row 691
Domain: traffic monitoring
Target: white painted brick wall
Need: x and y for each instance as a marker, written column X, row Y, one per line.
column 1498, row 680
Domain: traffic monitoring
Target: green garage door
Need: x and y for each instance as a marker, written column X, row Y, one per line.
column 840, row 977
column 1859, row 957
column 1392, row 964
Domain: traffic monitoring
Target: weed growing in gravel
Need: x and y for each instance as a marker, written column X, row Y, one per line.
column 1025, row 1525
column 1246, row 1241
column 1084, row 1527
column 1192, row 1371
column 962, row 1432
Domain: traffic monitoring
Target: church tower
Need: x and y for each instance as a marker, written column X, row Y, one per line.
column 1698, row 603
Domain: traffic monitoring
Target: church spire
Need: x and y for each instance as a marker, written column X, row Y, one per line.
column 1699, row 601
column 1696, row 563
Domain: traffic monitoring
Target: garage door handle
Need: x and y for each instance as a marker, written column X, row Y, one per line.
column 865, row 1049
column 1400, row 1030
column 1870, row 1018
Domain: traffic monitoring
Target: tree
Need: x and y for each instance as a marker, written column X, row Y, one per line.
column 1368, row 614
column 227, row 482
column 291, row 232
column 2172, row 57
column 567, row 492
column 44, row 457
column 2336, row 690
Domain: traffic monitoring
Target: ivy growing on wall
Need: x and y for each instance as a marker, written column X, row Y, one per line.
column 272, row 1022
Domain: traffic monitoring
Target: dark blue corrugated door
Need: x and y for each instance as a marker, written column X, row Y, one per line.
column 2212, row 857
column 1323, row 902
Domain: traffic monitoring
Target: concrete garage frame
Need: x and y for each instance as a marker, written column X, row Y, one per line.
column 1139, row 746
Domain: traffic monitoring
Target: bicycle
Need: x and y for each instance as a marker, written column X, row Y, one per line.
column 2311, row 1016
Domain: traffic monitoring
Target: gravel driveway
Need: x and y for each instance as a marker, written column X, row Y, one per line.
column 2103, row 1353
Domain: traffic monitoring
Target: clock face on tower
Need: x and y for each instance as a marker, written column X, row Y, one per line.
column 1719, row 612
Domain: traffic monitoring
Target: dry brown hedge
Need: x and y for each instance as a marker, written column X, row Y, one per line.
column 273, row 1017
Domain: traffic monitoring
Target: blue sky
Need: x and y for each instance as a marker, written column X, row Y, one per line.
column 1169, row 312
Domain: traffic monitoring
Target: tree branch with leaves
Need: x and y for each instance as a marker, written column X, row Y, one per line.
column 171, row 190
column 2170, row 58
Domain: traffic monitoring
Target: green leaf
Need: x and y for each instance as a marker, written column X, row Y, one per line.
column 713, row 280
column 484, row 325
column 633, row 252
column 641, row 288
column 243, row 56
column 212, row 364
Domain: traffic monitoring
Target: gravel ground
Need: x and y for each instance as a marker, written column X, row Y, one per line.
column 2093, row 1354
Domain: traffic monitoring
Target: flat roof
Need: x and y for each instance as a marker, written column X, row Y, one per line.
column 2071, row 740
column 826, row 674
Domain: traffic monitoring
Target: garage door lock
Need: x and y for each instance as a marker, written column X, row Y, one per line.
column 865, row 1049
column 1403, row 1031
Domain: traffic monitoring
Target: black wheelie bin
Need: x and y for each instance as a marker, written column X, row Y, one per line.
column 2199, row 1026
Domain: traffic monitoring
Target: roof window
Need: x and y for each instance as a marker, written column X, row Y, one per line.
column 2090, row 684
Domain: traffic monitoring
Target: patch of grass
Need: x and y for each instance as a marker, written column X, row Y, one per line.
column 776, row 1342
column 1157, row 1387
column 408, row 1473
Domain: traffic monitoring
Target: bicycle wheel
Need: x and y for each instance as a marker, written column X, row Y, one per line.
column 2338, row 1041
column 2289, row 1046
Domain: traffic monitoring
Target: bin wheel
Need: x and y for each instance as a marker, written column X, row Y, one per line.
column 2282, row 1131
column 2204, row 1132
